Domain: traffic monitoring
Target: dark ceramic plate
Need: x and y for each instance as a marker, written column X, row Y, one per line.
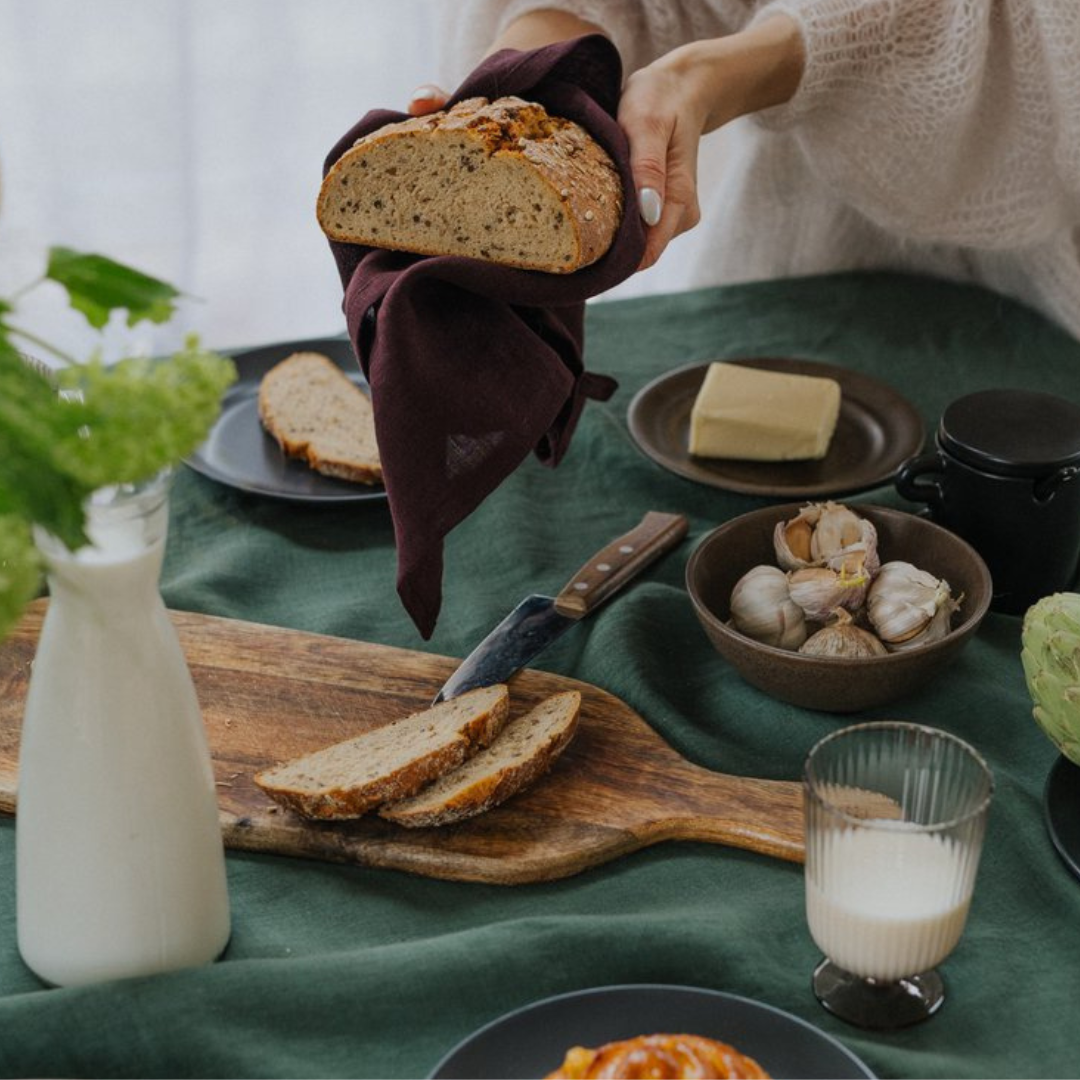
column 1061, row 801
column 240, row 453
column 876, row 432
column 532, row 1041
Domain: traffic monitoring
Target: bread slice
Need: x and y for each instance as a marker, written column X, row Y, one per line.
column 349, row 778
column 496, row 180
column 316, row 413
column 526, row 749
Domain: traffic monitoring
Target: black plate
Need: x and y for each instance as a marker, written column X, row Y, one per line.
column 240, row 453
column 1061, row 802
column 532, row 1041
column 877, row 431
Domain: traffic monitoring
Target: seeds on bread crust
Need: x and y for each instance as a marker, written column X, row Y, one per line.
column 500, row 180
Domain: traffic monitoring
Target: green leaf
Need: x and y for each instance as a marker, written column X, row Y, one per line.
column 97, row 286
column 34, row 426
column 20, row 570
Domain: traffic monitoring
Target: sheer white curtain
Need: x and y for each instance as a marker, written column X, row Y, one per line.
column 186, row 137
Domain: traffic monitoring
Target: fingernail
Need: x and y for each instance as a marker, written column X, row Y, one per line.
column 424, row 93
column 651, row 205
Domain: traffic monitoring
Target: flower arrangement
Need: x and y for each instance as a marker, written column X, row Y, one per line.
column 88, row 425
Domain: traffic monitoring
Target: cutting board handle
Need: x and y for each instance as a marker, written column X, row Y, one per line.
column 688, row 802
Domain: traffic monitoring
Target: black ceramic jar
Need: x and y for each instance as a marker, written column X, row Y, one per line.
column 1005, row 475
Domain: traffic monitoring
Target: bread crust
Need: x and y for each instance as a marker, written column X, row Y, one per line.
column 490, row 779
column 581, row 185
column 317, row 415
column 314, row 786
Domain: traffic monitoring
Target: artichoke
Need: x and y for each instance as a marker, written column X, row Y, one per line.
column 1051, row 657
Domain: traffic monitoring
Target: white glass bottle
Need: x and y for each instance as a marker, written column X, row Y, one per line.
column 120, row 867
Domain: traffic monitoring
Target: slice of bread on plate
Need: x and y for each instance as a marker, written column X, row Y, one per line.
column 389, row 763
column 502, row 181
column 319, row 415
column 526, row 749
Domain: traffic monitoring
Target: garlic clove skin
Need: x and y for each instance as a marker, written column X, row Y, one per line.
column 939, row 626
column 792, row 539
column 827, row 534
column 762, row 609
column 819, row 591
column 845, row 541
column 908, row 607
column 843, row 640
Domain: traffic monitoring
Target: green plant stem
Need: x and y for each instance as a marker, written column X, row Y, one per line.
column 26, row 335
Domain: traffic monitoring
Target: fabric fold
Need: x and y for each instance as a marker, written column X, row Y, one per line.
column 473, row 366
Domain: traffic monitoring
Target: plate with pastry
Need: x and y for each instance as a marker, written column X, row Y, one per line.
column 776, row 426
column 296, row 425
column 649, row 1030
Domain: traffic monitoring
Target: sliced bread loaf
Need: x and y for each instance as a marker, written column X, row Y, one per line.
column 349, row 778
column 317, row 414
column 500, row 180
column 526, row 749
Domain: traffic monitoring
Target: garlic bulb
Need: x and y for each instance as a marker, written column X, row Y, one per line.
column 907, row 606
column 827, row 534
column 843, row 639
column 762, row 609
column 819, row 591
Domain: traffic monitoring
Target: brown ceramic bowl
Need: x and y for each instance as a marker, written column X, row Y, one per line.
column 830, row 684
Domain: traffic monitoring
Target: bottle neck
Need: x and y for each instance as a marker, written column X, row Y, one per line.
column 127, row 527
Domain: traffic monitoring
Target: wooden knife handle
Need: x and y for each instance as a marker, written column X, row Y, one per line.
column 614, row 565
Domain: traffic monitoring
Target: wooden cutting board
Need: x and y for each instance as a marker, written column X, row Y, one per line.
column 269, row 694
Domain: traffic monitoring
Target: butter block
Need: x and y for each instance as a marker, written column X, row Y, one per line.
column 756, row 415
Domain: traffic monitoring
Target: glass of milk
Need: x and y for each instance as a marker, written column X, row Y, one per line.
column 895, row 819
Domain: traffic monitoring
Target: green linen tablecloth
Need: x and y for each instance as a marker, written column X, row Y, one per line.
column 345, row 971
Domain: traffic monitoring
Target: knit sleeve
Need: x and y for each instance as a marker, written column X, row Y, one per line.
column 641, row 30
column 954, row 121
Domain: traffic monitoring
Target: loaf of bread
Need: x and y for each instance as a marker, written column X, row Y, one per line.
column 673, row 1057
column 496, row 180
column 317, row 414
column 523, row 752
column 389, row 763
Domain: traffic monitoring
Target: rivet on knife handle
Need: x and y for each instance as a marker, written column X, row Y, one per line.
column 610, row 568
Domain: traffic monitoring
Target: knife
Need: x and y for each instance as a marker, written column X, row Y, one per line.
column 538, row 620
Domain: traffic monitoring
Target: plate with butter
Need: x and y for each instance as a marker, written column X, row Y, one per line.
column 776, row 426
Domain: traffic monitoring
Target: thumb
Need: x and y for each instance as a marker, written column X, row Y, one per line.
column 648, row 163
column 427, row 98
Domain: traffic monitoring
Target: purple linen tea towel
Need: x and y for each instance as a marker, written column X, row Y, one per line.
column 474, row 366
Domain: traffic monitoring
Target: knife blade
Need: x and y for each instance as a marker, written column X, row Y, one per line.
column 538, row 620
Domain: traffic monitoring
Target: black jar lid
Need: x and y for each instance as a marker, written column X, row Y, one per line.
column 1012, row 432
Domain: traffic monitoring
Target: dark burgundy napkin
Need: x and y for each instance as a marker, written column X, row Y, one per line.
column 474, row 366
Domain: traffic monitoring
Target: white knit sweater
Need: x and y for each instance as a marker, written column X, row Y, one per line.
column 939, row 137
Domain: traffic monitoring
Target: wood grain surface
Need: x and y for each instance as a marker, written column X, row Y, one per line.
column 269, row 694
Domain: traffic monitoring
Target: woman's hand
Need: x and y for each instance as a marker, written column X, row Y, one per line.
column 664, row 119
column 667, row 106
column 427, row 98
